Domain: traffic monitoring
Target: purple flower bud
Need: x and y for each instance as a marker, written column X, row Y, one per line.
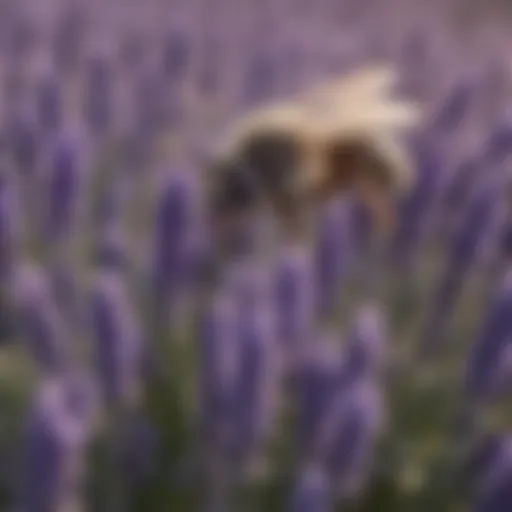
column 152, row 111
column 365, row 349
column 483, row 456
column 69, row 36
column 499, row 144
column 294, row 299
column 218, row 353
column 254, row 391
column 259, row 79
column 415, row 208
column 64, row 187
column 8, row 227
column 477, row 221
column 58, row 428
column 117, row 339
column 39, row 318
column 133, row 50
column 330, row 257
column 348, row 435
column 139, row 443
column 110, row 248
column 455, row 108
column 174, row 218
column 49, row 104
column 312, row 492
column 22, row 141
column 317, row 385
column 489, row 351
column 495, row 491
column 176, row 55
column 98, row 95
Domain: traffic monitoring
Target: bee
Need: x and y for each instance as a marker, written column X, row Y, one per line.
column 289, row 158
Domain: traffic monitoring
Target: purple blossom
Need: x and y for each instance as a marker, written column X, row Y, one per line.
column 365, row 348
column 57, row 431
column 492, row 343
column 254, row 385
column 64, row 187
column 414, row 210
column 49, row 106
column 294, row 299
column 495, row 490
column 331, row 254
column 217, row 356
column 312, row 491
column 22, row 141
column 259, row 78
column 173, row 223
column 8, row 227
column 348, row 435
column 476, row 223
column 98, row 95
column 39, row 317
column 317, row 385
column 117, row 340
column 454, row 109
column 69, row 35
column 176, row 54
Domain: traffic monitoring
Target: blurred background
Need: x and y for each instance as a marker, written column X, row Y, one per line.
column 344, row 375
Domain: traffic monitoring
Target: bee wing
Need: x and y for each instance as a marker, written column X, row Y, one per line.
column 364, row 85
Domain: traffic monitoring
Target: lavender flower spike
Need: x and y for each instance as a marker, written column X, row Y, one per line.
column 8, row 227
column 485, row 365
column 348, row 436
column 312, row 492
column 330, row 256
column 255, row 389
column 58, row 429
column 495, row 492
column 294, row 300
column 365, row 350
column 64, row 187
column 117, row 339
column 39, row 318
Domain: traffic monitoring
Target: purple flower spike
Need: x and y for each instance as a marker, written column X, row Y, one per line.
column 476, row 223
column 254, row 387
column 365, row 349
column 64, row 187
column 58, row 429
column 110, row 249
column 174, row 219
column 8, row 227
column 456, row 106
column 492, row 345
column 330, row 256
column 317, row 386
column 348, row 435
column 218, row 353
column 294, row 299
column 39, row 318
column 312, row 492
column 495, row 490
column 117, row 339
column 69, row 37
column 259, row 83
column 98, row 95
column 22, row 141
column 176, row 55
column 49, row 104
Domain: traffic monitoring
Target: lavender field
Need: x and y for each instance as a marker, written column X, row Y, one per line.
column 353, row 373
